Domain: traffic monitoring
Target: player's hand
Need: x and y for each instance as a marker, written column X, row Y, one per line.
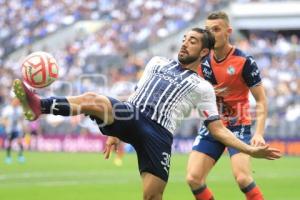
column 266, row 152
column 257, row 140
column 111, row 144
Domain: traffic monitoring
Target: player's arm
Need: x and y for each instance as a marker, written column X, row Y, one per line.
column 251, row 76
column 209, row 114
column 221, row 133
column 258, row 93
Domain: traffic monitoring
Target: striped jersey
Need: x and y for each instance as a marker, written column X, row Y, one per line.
column 166, row 93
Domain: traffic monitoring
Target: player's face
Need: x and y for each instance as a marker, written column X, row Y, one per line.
column 221, row 31
column 191, row 48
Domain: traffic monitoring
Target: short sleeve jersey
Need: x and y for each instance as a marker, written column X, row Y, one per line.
column 167, row 92
column 232, row 77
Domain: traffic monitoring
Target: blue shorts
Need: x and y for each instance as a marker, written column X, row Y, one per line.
column 150, row 140
column 205, row 143
column 14, row 134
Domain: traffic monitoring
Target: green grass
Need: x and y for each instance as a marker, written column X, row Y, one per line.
column 70, row 176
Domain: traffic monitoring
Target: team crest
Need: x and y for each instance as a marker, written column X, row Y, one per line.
column 230, row 70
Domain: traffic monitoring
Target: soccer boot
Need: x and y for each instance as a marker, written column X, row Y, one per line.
column 21, row 159
column 30, row 102
column 8, row 160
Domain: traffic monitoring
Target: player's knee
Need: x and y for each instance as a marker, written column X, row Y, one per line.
column 89, row 97
column 243, row 179
column 194, row 180
column 93, row 101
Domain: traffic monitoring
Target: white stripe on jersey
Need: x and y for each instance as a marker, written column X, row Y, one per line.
column 158, row 103
column 144, row 92
column 178, row 91
column 174, row 104
column 167, row 92
column 172, row 66
column 150, row 94
column 154, row 87
column 161, row 97
column 148, row 77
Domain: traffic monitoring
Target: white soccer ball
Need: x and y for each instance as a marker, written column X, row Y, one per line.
column 39, row 69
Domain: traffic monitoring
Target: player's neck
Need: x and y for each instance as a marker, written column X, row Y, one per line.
column 192, row 66
column 221, row 53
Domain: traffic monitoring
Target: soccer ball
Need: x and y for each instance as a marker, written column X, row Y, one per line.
column 39, row 69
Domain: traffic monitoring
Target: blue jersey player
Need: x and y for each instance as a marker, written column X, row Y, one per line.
column 166, row 93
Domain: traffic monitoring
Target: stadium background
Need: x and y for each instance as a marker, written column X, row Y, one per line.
column 102, row 45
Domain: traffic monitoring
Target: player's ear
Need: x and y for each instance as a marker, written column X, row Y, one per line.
column 204, row 52
column 229, row 30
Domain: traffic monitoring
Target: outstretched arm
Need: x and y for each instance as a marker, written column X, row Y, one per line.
column 252, row 78
column 258, row 93
column 221, row 133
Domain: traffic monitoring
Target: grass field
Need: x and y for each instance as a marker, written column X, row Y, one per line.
column 81, row 176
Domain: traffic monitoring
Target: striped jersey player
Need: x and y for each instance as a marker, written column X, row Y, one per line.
column 167, row 93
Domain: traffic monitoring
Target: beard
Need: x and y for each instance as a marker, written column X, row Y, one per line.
column 187, row 59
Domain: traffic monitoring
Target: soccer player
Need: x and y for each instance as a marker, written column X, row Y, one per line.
column 14, row 126
column 165, row 94
column 233, row 74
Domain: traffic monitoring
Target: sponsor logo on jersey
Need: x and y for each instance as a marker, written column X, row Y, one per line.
column 170, row 79
column 208, row 73
column 171, row 73
column 255, row 73
column 251, row 60
column 231, row 70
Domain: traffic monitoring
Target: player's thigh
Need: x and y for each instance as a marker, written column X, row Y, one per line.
column 153, row 186
column 93, row 104
column 199, row 165
column 205, row 153
column 243, row 133
column 205, row 143
column 153, row 145
column 240, row 162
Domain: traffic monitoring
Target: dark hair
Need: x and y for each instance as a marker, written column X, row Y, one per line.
column 208, row 39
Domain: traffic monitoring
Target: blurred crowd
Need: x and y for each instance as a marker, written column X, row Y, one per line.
column 24, row 21
column 278, row 57
column 105, row 62
column 253, row 1
column 132, row 23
